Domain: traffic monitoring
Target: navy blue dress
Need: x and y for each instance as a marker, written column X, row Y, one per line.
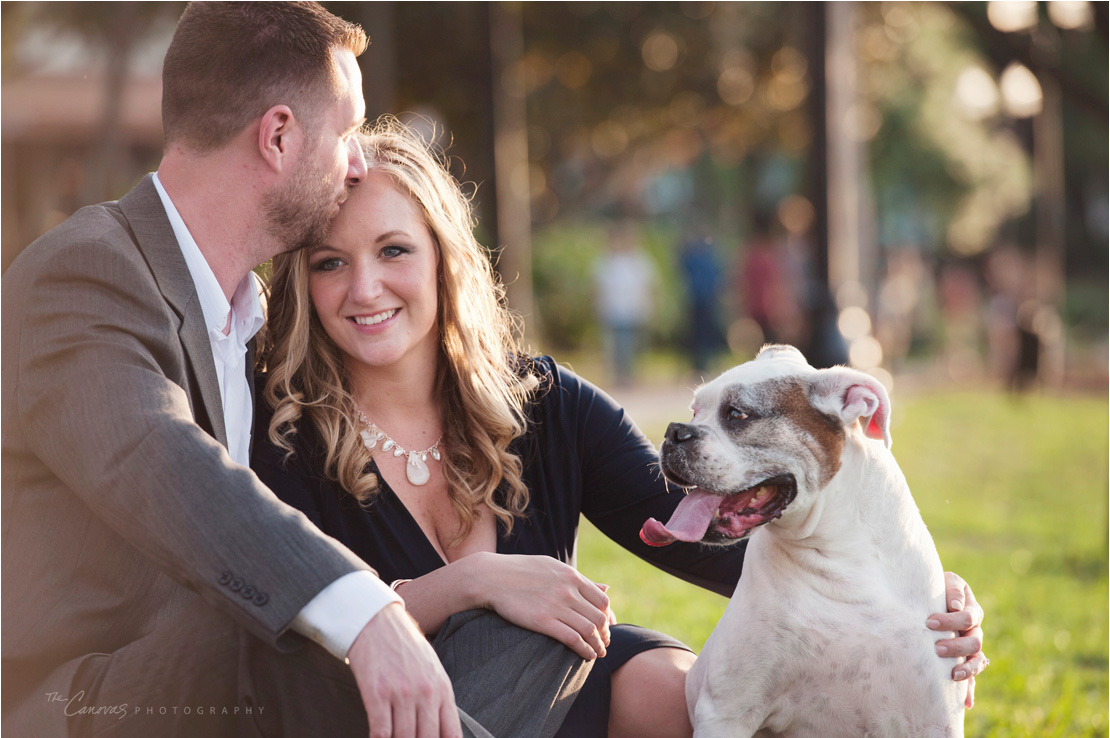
column 582, row 455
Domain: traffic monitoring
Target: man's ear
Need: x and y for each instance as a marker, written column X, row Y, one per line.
column 850, row 395
column 277, row 131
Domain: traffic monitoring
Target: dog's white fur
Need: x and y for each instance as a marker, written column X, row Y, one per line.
column 825, row 635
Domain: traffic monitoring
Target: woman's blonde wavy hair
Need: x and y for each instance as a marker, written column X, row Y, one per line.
column 477, row 377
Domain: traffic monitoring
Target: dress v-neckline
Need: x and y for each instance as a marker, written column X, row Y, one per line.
column 385, row 488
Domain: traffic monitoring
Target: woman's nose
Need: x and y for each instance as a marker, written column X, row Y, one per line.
column 365, row 285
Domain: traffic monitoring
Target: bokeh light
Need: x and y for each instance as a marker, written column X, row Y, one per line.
column 854, row 323
column 660, row 51
column 1070, row 15
column 865, row 353
column 735, row 85
column 796, row 214
column 1012, row 15
column 977, row 96
column 1021, row 92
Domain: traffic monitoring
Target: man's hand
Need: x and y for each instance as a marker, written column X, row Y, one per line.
column 964, row 616
column 404, row 688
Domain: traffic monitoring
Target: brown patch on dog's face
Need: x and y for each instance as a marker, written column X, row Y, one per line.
column 781, row 406
column 822, row 434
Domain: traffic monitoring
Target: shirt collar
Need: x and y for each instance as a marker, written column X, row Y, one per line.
column 245, row 306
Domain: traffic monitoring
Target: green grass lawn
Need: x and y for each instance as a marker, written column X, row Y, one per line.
column 1014, row 491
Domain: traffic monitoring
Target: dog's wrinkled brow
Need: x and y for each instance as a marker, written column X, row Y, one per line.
column 761, row 397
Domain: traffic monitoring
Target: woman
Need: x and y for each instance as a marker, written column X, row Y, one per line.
column 403, row 422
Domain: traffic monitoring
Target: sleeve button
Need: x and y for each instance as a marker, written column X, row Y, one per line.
column 236, row 584
column 260, row 598
column 247, row 593
column 225, row 577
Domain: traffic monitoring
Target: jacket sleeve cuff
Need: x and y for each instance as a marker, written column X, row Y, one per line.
column 335, row 616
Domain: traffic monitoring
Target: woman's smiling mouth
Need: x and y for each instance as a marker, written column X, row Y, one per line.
column 374, row 319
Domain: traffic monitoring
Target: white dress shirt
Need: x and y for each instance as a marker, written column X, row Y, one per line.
column 338, row 613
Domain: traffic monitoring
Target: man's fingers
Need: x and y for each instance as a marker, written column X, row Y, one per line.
column 404, row 720
column 969, row 701
column 962, row 646
column 449, row 724
column 972, row 607
column 961, row 621
column 402, row 684
column 955, row 591
column 427, row 719
column 975, row 664
column 381, row 717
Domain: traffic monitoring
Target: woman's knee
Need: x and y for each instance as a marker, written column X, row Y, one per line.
column 649, row 695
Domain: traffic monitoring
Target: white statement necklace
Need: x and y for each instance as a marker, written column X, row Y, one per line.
column 416, row 469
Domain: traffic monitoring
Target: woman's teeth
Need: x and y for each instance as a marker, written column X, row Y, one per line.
column 375, row 319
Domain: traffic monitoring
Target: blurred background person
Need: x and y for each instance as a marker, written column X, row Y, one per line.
column 625, row 281
column 701, row 272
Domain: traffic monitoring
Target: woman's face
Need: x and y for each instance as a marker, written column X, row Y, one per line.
column 373, row 280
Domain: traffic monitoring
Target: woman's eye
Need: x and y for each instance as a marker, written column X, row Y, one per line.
column 326, row 265
column 392, row 252
column 735, row 414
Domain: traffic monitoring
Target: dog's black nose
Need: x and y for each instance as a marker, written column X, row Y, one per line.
column 680, row 432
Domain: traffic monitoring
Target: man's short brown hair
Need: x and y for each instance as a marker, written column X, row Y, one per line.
column 230, row 62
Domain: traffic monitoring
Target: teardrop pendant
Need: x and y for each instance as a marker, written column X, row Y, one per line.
column 417, row 471
column 416, row 468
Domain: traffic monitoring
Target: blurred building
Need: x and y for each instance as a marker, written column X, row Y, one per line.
column 80, row 110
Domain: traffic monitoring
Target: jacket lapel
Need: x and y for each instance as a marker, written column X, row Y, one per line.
column 143, row 209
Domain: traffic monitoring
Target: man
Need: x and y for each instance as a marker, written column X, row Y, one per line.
column 153, row 586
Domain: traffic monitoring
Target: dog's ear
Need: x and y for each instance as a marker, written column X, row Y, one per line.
column 850, row 395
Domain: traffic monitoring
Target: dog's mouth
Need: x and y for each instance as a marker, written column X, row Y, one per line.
column 712, row 517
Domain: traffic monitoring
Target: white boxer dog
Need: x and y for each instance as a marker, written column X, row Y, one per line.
column 825, row 636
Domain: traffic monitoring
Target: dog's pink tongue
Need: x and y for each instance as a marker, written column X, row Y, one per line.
column 688, row 523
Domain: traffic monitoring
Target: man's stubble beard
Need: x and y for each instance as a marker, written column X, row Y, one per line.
column 299, row 213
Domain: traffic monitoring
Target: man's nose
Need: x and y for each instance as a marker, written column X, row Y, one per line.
column 356, row 162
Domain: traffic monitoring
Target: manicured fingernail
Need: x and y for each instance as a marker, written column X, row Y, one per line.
column 959, row 674
column 932, row 623
column 955, row 605
column 942, row 650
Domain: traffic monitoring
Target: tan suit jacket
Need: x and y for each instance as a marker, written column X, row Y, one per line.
column 120, row 502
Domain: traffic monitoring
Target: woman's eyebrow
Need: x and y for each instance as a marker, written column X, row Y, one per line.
column 391, row 234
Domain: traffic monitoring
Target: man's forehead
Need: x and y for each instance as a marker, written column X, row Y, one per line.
column 350, row 75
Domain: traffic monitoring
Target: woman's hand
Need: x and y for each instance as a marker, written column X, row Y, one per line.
column 547, row 596
column 965, row 617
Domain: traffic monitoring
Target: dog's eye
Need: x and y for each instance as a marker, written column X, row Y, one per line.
column 736, row 414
